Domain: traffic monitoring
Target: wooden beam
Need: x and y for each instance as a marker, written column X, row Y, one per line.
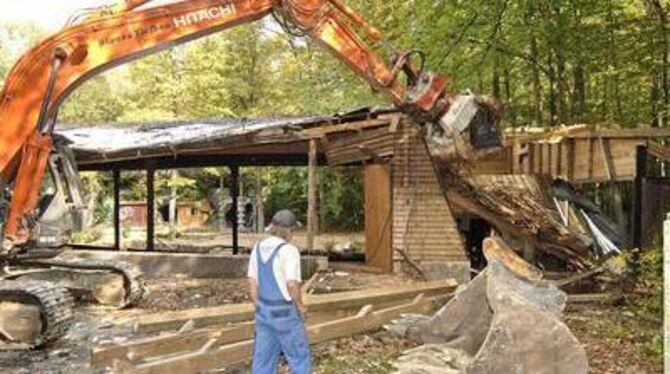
column 606, row 153
column 571, row 160
column 117, row 209
column 171, row 343
column 318, row 132
column 260, row 206
column 234, row 195
column 151, row 199
column 640, row 132
column 312, row 190
column 203, row 317
column 591, row 158
column 209, row 359
column 641, row 171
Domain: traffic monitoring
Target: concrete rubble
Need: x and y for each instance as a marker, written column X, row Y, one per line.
column 507, row 320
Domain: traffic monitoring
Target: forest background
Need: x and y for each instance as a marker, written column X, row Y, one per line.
column 550, row 62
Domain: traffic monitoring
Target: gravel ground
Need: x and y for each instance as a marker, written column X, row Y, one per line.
column 602, row 329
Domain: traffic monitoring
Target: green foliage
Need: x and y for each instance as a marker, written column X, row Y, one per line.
column 651, row 279
column 548, row 61
column 342, row 206
column 15, row 39
column 87, row 237
column 104, row 211
column 287, row 189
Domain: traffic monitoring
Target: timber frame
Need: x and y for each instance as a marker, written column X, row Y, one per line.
column 413, row 217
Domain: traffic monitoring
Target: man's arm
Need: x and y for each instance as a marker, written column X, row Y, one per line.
column 295, row 291
column 293, row 274
column 252, row 276
column 253, row 290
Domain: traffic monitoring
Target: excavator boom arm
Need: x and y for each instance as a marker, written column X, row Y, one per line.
column 45, row 76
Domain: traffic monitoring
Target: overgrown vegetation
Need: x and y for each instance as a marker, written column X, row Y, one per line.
column 649, row 306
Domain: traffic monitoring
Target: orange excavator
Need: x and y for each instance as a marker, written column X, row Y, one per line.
column 109, row 36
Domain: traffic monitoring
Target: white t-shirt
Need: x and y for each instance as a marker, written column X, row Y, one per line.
column 286, row 266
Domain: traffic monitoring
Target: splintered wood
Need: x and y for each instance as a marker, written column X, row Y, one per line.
column 206, row 339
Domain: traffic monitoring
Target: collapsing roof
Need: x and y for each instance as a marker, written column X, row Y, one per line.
column 119, row 141
column 514, row 203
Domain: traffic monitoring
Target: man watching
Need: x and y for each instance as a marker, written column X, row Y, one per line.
column 274, row 287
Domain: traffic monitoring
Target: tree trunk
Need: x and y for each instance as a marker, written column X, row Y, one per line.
column 509, row 107
column 495, row 81
column 579, row 94
column 553, row 109
column 537, row 84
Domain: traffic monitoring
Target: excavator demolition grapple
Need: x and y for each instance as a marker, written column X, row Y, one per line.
column 32, row 289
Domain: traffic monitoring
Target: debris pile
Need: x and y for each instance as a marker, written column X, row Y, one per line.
column 518, row 205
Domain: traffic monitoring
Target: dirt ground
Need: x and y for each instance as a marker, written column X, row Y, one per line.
column 603, row 329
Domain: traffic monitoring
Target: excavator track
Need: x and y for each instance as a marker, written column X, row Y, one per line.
column 56, row 310
column 133, row 279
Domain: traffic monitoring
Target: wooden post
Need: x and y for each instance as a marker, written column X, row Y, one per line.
column 378, row 217
column 117, row 209
column 610, row 170
column 640, row 174
column 260, row 208
column 151, row 174
column 234, row 195
column 173, row 205
column 572, row 146
column 311, row 193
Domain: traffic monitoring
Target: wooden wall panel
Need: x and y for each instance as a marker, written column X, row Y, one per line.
column 423, row 224
column 378, row 216
column 578, row 159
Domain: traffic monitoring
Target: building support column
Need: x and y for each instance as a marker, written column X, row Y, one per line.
column 172, row 207
column 640, row 175
column 312, row 195
column 117, row 209
column 151, row 227
column 260, row 208
column 234, row 195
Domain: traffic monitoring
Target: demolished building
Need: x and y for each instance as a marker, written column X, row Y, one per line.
column 418, row 207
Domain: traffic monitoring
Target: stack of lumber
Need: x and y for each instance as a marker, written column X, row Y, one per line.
column 197, row 340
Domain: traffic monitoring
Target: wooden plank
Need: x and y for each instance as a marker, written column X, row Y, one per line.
column 571, row 160
column 311, row 195
column 151, row 199
column 377, row 182
column 117, row 209
column 203, row 360
column 203, row 317
column 641, row 132
column 234, row 189
column 590, row 158
column 167, row 344
column 320, row 131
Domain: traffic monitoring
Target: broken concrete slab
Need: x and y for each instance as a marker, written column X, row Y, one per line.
column 508, row 320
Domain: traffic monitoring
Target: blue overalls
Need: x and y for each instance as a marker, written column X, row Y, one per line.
column 279, row 327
